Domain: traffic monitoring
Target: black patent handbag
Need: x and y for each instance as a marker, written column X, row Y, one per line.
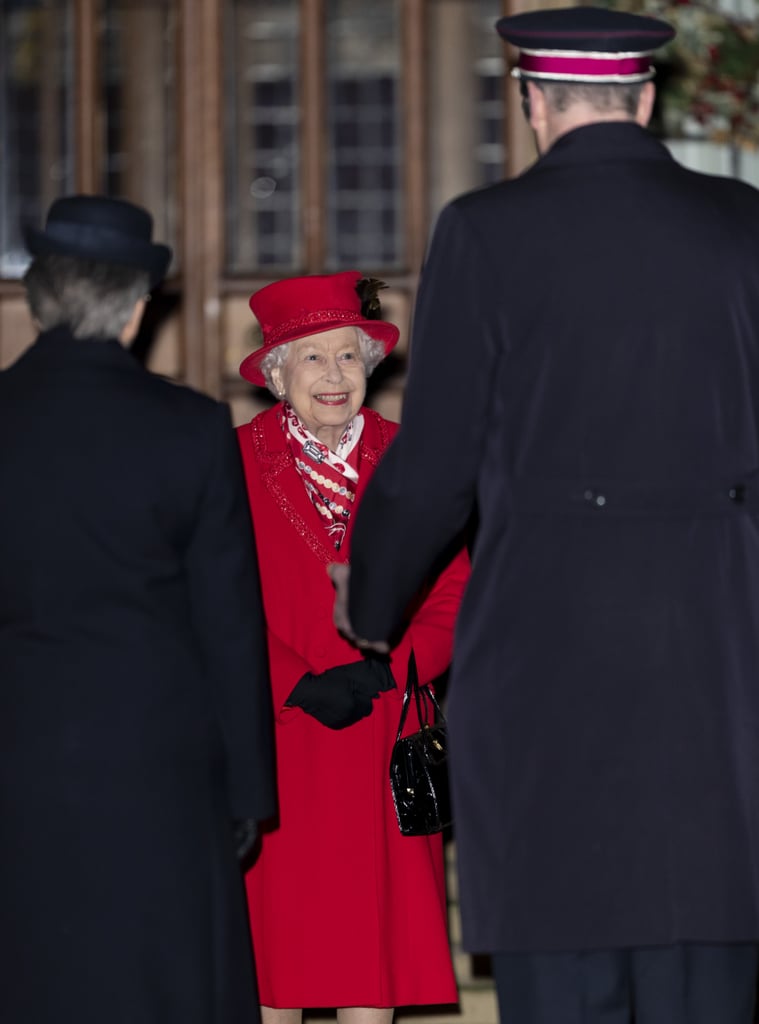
column 418, row 764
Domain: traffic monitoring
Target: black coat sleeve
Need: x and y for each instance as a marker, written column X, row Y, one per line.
column 228, row 620
column 423, row 492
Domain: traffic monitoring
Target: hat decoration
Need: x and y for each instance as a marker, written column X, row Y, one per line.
column 298, row 307
column 368, row 289
column 103, row 229
column 585, row 44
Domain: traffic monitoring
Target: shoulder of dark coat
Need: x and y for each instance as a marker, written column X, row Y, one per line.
column 722, row 186
column 491, row 207
column 188, row 411
column 176, row 391
column 484, row 198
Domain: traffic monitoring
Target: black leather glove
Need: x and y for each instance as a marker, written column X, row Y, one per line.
column 343, row 695
column 369, row 677
column 245, row 831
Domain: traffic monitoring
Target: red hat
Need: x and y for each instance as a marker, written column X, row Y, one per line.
column 299, row 306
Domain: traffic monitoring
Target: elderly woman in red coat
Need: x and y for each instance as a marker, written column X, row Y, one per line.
column 345, row 911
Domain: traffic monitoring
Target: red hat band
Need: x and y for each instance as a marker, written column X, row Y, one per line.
column 585, row 66
column 307, row 323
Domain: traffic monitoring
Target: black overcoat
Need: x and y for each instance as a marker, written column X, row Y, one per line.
column 134, row 707
column 585, row 371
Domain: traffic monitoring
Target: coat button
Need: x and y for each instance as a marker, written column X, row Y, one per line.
column 737, row 493
column 597, row 500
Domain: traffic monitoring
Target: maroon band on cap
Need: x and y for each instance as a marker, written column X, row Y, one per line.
column 591, row 66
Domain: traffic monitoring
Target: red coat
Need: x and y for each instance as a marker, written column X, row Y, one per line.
column 344, row 910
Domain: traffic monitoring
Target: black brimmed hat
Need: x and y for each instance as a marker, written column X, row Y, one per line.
column 104, row 229
column 584, row 44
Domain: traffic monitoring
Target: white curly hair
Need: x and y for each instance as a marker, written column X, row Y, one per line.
column 371, row 351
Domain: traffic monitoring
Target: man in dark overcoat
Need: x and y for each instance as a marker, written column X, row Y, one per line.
column 585, row 374
column 135, row 744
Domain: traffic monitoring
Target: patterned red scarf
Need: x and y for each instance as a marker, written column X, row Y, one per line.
column 329, row 477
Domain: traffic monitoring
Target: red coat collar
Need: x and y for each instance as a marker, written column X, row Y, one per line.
column 273, row 456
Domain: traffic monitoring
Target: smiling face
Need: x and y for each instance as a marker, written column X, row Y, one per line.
column 324, row 381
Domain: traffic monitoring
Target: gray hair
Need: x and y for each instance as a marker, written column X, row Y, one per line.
column 371, row 351
column 603, row 97
column 93, row 299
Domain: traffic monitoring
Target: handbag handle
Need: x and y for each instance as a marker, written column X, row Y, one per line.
column 422, row 694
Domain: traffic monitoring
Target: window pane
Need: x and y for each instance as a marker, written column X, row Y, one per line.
column 35, row 119
column 261, row 135
column 364, row 200
column 466, row 87
column 139, row 89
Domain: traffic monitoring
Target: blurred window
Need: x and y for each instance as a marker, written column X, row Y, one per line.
column 262, row 146
column 466, row 88
column 138, row 146
column 36, row 118
column 364, row 134
column 132, row 114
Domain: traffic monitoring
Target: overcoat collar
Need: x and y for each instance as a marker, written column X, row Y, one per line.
column 58, row 346
column 603, row 142
column 285, row 486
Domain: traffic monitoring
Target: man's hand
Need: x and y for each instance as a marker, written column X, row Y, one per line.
column 245, row 834
column 339, row 573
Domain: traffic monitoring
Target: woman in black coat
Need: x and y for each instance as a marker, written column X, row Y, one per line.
column 134, row 708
